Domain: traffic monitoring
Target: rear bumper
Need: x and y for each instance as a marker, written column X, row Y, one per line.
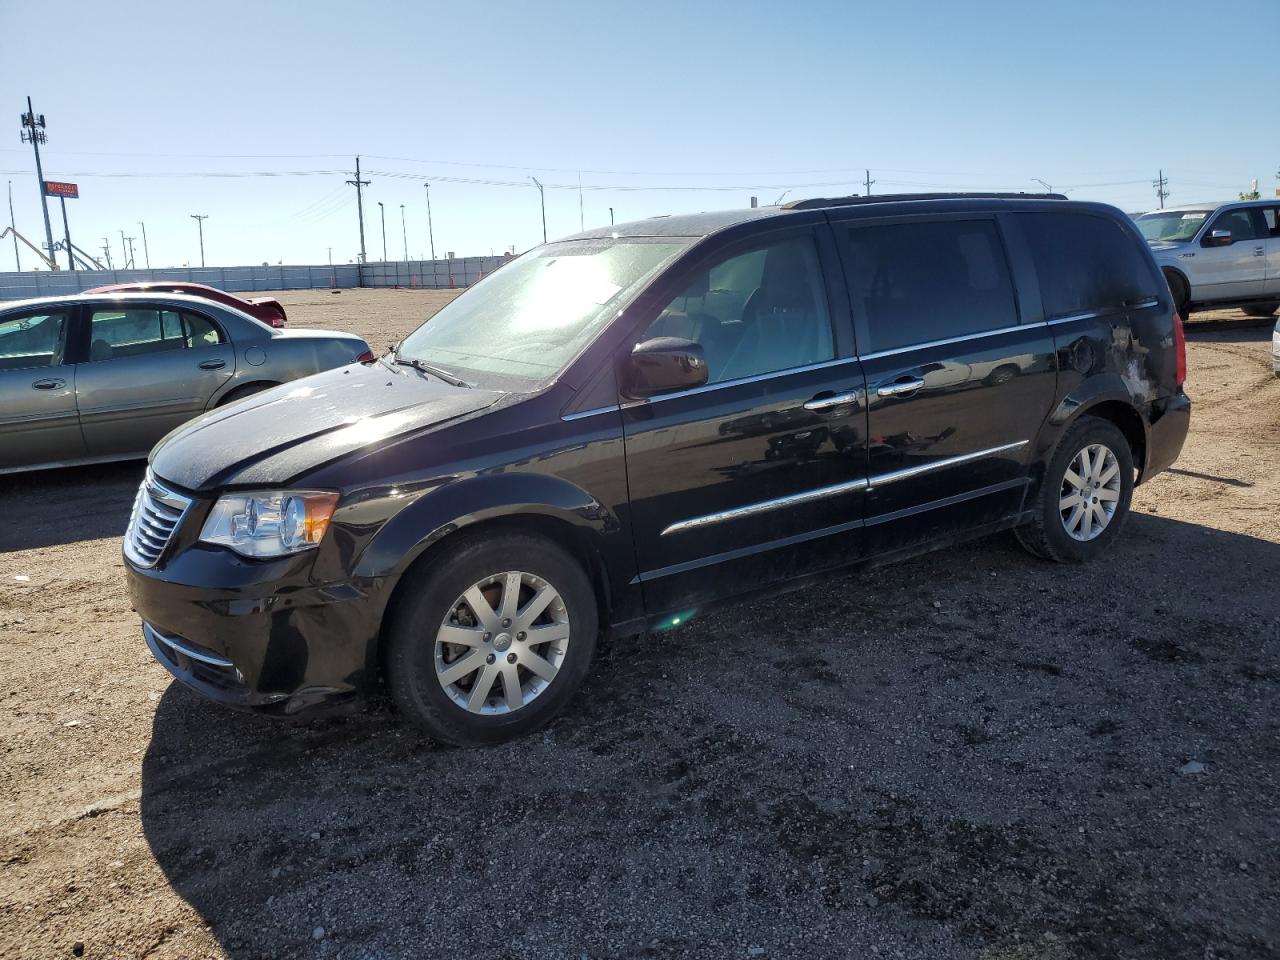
column 1169, row 421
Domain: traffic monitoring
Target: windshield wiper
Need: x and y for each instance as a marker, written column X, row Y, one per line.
column 423, row 367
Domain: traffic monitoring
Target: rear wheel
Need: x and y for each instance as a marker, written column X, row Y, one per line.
column 1084, row 499
column 1261, row 309
column 491, row 639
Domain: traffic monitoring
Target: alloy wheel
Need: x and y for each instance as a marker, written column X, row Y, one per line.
column 1090, row 492
column 502, row 643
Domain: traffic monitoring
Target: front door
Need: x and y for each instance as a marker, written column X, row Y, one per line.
column 957, row 386
column 38, row 422
column 757, row 476
column 149, row 370
column 1236, row 271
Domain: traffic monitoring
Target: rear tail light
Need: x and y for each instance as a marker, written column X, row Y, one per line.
column 367, row 357
column 277, row 322
column 1180, row 346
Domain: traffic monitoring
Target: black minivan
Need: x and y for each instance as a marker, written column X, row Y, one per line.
column 617, row 431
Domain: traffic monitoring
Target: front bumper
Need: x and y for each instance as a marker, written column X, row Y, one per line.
column 257, row 635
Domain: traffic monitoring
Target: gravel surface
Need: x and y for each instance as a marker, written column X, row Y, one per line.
column 969, row 755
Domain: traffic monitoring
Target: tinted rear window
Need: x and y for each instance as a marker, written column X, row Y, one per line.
column 931, row 280
column 1085, row 263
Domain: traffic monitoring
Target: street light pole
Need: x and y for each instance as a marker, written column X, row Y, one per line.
column 430, row 231
column 383, row 211
column 146, row 251
column 542, row 197
column 404, row 231
column 200, row 218
column 611, row 216
column 124, row 254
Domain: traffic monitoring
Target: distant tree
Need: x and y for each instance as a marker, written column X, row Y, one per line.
column 1251, row 195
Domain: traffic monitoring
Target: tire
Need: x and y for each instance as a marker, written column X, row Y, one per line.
column 1181, row 294
column 434, row 603
column 248, row 390
column 1047, row 535
column 1261, row 309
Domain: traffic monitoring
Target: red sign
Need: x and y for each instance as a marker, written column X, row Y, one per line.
column 56, row 188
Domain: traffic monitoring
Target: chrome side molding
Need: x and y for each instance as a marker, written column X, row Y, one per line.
column 835, row 490
column 764, row 506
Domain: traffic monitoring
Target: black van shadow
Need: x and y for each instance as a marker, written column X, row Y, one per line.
column 1249, row 330
column 968, row 749
column 45, row 508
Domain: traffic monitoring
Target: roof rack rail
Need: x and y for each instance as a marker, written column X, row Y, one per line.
column 818, row 202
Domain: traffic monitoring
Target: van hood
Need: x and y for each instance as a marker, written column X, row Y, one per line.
column 282, row 433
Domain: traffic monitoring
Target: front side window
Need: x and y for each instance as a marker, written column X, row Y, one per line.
column 915, row 283
column 32, row 340
column 132, row 332
column 1086, row 263
column 1174, row 226
column 758, row 312
column 1271, row 216
column 530, row 318
column 1239, row 222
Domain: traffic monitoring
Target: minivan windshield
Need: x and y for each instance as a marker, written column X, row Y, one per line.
column 1172, row 224
column 526, row 321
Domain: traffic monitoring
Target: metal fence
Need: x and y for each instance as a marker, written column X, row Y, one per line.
column 458, row 272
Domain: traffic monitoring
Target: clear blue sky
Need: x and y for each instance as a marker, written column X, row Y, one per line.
column 751, row 98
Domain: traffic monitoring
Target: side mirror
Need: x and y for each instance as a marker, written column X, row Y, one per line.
column 663, row 365
column 1217, row 238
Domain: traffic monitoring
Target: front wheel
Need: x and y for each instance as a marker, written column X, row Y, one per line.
column 1181, row 294
column 491, row 638
column 1085, row 496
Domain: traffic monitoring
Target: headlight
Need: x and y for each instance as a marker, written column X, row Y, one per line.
column 270, row 523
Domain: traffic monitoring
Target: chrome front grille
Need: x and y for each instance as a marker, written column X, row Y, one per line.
column 157, row 511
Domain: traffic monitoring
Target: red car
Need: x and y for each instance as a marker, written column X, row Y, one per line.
column 267, row 309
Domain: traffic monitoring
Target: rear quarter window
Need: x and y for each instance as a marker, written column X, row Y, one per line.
column 1086, row 263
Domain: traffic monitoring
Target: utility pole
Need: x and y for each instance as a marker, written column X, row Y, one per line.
column 383, row 212
column 331, row 256
column 611, row 216
column 33, row 129
column 132, row 262
column 582, row 223
column 66, row 230
column 124, row 254
column 17, row 260
column 430, row 231
column 359, row 184
column 200, row 218
column 869, row 182
column 106, row 253
column 404, row 231
column 1161, row 183
column 146, row 251
column 543, row 198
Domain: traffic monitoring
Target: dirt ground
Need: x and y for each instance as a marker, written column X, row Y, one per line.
column 968, row 755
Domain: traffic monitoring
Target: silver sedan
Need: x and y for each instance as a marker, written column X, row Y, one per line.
column 99, row 377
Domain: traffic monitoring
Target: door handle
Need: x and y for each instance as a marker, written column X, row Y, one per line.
column 1258, row 252
column 828, row 401
column 212, row 364
column 49, row 384
column 900, row 387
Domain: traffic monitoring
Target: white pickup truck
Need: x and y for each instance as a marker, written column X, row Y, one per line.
column 1219, row 255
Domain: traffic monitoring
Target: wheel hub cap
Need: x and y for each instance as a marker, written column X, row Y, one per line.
column 502, row 643
column 1090, row 492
